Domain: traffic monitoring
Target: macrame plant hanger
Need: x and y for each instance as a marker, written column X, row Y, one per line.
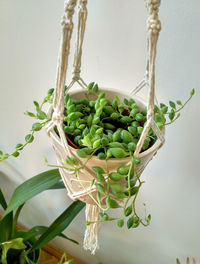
column 75, row 187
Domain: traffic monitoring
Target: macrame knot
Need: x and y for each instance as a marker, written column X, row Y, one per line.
column 66, row 23
column 57, row 118
column 76, row 75
column 150, row 114
column 69, row 11
column 69, row 8
column 153, row 6
column 82, row 5
column 153, row 25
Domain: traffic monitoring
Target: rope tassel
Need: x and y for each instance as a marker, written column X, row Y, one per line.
column 91, row 232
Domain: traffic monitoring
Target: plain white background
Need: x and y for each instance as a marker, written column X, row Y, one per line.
column 114, row 55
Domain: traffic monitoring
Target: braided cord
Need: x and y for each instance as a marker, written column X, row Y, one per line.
column 82, row 17
column 67, row 28
column 153, row 28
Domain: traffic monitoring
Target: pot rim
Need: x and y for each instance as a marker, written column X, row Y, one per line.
column 157, row 144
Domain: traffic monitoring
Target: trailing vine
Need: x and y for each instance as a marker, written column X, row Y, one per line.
column 107, row 129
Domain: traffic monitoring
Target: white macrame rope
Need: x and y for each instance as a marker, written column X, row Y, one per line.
column 67, row 28
column 154, row 28
column 58, row 102
column 153, row 24
column 82, row 17
column 91, row 234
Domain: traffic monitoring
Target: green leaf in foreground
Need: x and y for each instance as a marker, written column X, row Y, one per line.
column 16, row 243
column 81, row 153
column 5, row 230
column 98, row 169
column 36, row 126
column 59, row 185
column 120, row 223
column 118, row 153
column 192, row 92
column 39, row 230
column 41, row 115
column 60, row 224
column 172, row 104
column 171, row 115
column 90, row 86
column 31, row 188
column 2, row 200
column 111, row 203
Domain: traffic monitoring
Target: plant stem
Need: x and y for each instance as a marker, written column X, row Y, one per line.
column 61, row 167
column 169, row 123
column 183, row 105
column 107, row 172
column 110, row 219
column 129, row 186
column 84, row 164
column 88, row 192
column 14, row 226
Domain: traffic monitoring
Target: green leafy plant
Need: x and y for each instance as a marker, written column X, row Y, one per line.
column 16, row 245
column 65, row 260
column 193, row 261
column 111, row 129
column 42, row 118
column 108, row 129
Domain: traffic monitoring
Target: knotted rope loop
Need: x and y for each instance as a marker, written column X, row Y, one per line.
column 68, row 13
column 153, row 28
column 58, row 102
column 82, row 17
column 67, row 28
column 150, row 114
column 57, row 118
column 91, row 233
column 153, row 25
column 153, row 6
column 76, row 75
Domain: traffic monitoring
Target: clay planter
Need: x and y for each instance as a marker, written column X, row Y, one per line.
column 75, row 190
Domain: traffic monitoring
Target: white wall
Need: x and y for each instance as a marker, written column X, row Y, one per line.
column 114, row 56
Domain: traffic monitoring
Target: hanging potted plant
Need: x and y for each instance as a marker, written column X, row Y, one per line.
column 103, row 138
column 24, row 246
column 102, row 131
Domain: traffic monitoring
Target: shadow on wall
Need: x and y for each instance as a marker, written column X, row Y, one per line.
column 11, row 173
column 6, row 184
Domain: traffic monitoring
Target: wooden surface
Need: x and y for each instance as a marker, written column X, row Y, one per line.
column 52, row 255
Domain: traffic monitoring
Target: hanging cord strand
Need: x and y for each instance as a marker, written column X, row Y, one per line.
column 82, row 18
column 145, row 80
column 67, row 28
column 58, row 102
column 154, row 28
